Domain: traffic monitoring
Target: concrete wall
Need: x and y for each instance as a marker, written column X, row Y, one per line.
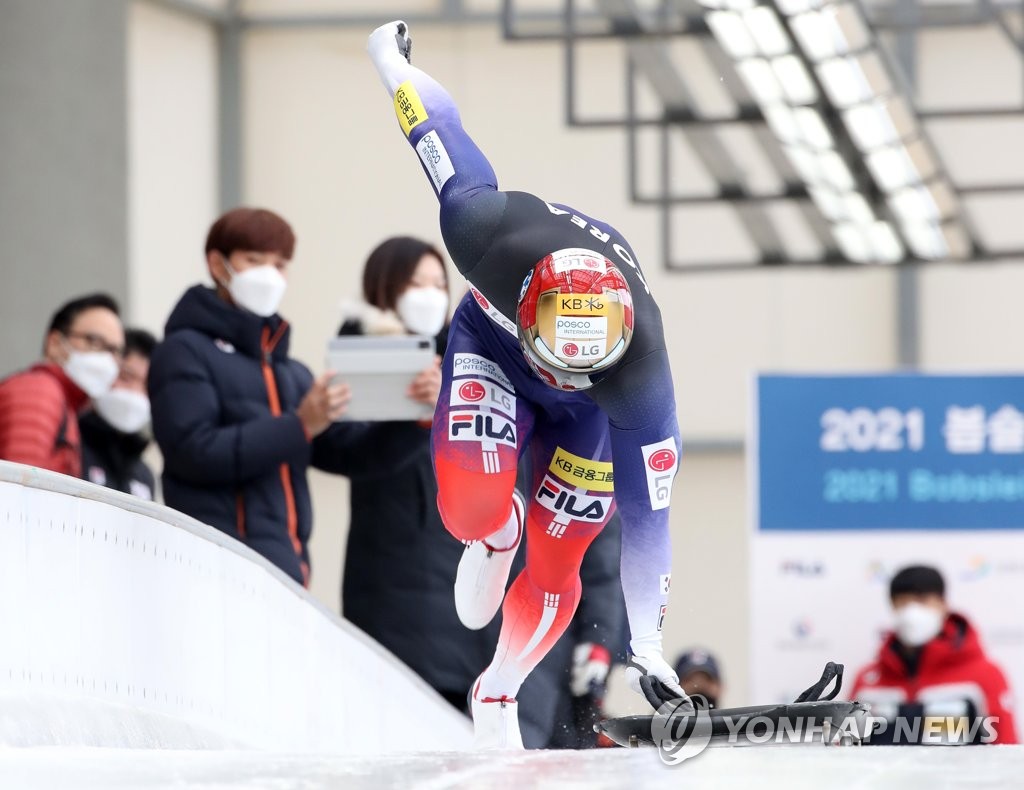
column 63, row 162
column 128, row 625
column 172, row 134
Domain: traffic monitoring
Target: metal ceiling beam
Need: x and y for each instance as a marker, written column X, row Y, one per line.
column 1000, row 21
column 998, row 257
column 193, row 9
column 231, row 137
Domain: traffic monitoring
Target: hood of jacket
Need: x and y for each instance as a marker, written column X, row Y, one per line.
column 956, row 643
column 202, row 310
column 100, row 434
column 362, row 318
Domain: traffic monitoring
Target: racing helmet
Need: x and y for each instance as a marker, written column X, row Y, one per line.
column 575, row 317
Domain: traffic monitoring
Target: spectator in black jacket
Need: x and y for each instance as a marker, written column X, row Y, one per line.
column 239, row 421
column 400, row 560
column 116, row 432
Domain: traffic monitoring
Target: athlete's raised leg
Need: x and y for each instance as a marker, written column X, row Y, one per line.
column 479, row 427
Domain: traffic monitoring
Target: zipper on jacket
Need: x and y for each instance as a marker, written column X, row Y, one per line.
column 267, row 344
column 240, row 514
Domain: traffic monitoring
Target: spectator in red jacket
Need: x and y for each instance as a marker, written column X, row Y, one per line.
column 932, row 673
column 39, row 406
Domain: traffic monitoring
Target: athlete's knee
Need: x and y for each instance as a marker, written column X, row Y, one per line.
column 473, row 504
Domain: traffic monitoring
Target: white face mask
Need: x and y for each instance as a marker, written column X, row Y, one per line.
column 259, row 289
column 917, row 624
column 423, row 310
column 125, row 410
column 94, row 371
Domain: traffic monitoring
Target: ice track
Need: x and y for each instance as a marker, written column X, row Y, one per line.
column 793, row 768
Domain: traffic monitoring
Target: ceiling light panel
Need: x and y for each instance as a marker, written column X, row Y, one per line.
column 767, row 31
column 731, row 32
column 795, row 80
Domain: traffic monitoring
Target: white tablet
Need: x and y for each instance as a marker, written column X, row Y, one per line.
column 379, row 370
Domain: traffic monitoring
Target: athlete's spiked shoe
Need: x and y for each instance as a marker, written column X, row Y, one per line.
column 495, row 722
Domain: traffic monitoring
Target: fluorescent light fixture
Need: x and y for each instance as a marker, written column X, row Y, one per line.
column 914, row 204
column 926, row 240
column 729, row 5
column 901, row 165
column 822, row 168
column 826, row 47
column 879, row 123
column 804, row 163
column 817, row 35
column 732, row 34
column 852, row 80
column 767, row 31
column 935, row 241
column 924, row 203
column 884, row 242
column 812, row 128
column 834, row 31
column 834, row 171
column 796, row 6
column 842, row 207
column 870, row 126
column 782, row 121
column 872, row 242
column 856, row 207
column 760, row 80
column 852, row 241
column 795, row 80
column 829, row 203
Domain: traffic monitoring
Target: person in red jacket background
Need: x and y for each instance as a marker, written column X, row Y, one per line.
column 932, row 667
column 39, row 406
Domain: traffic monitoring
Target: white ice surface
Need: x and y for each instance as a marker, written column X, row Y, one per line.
column 793, row 768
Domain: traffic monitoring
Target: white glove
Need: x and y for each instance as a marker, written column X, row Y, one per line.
column 390, row 48
column 590, row 664
column 651, row 676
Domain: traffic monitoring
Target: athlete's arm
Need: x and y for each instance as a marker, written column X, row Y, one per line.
column 639, row 400
column 463, row 179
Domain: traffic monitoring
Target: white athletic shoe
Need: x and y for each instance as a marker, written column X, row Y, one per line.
column 495, row 722
column 483, row 574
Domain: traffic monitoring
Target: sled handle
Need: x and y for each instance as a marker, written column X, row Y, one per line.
column 833, row 671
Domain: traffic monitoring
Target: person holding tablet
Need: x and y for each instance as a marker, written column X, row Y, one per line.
column 559, row 349
column 395, row 531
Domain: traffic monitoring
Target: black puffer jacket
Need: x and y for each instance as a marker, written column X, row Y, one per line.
column 400, row 561
column 224, row 393
column 114, row 459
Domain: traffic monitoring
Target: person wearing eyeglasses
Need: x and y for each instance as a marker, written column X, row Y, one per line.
column 39, row 407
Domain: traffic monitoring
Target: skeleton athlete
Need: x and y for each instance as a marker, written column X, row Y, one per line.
column 559, row 349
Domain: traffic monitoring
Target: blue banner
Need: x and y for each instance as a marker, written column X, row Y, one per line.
column 890, row 452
